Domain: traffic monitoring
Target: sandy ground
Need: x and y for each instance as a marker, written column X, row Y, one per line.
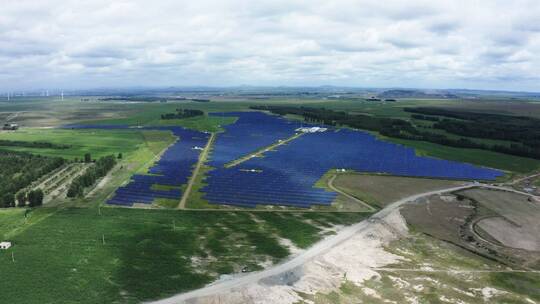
column 510, row 234
column 351, row 260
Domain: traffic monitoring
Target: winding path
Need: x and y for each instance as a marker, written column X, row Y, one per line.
column 334, row 188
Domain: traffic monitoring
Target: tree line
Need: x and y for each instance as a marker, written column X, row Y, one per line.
column 100, row 168
column 386, row 126
column 18, row 171
column 182, row 113
column 525, row 130
column 32, row 144
column 470, row 125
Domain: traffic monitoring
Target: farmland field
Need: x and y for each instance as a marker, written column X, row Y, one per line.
column 130, row 255
column 96, row 142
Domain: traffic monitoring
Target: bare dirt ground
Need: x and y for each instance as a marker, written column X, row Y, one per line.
column 510, row 234
column 496, row 224
column 517, row 225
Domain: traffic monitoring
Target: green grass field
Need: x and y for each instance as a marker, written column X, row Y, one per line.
column 149, row 114
column 75, row 255
column 96, row 142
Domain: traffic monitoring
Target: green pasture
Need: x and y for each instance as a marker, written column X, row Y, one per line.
column 76, row 255
column 94, row 141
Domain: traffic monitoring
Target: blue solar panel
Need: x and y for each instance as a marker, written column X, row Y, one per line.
column 284, row 177
column 250, row 132
column 287, row 176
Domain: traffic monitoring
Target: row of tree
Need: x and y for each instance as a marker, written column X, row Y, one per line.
column 32, row 144
column 101, row 167
column 524, row 131
column 33, row 198
column 520, row 129
column 182, row 113
column 19, row 169
column 424, row 117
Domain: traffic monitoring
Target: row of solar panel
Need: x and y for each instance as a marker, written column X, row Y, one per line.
column 287, row 176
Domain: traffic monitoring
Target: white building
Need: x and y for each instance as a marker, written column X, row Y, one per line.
column 5, row 245
column 311, row 130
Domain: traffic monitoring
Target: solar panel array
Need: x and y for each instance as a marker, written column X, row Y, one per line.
column 250, row 132
column 283, row 177
column 172, row 169
column 287, row 176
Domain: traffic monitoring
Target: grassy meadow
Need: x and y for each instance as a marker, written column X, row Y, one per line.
column 82, row 255
column 96, row 142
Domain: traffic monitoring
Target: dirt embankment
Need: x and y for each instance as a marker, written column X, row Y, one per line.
column 352, row 260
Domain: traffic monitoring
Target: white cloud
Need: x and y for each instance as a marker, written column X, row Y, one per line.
column 417, row 43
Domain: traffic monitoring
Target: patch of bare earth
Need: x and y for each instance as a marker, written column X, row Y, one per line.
column 352, row 260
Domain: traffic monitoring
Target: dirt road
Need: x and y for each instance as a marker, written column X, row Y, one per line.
column 202, row 160
column 316, row 250
column 334, row 188
column 261, row 152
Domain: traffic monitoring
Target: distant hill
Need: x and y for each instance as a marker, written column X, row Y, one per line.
column 414, row 94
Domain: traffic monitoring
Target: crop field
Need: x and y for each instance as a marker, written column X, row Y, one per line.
column 131, row 255
column 96, row 142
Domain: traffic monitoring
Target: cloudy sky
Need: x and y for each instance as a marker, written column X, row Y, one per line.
column 487, row 44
